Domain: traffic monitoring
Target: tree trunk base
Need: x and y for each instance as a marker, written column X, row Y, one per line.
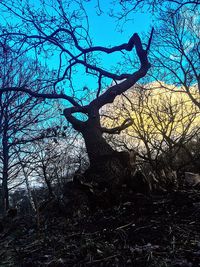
column 109, row 171
column 112, row 176
column 109, row 180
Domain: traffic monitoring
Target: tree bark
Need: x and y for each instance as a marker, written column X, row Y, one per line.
column 95, row 143
column 108, row 168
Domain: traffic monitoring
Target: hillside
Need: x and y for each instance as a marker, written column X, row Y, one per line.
column 159, row 230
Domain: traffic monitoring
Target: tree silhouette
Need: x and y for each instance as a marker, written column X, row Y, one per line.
column 67, row 33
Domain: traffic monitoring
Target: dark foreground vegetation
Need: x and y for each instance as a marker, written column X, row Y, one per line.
column 140, row 230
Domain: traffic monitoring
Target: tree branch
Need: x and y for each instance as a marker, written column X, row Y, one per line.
column 40, row 95
column 118, row 89
column 76, row 123
column 117, row 130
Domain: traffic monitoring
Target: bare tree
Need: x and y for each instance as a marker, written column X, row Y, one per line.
column 66, row 31
column 51, row 161
column 19, row 115
column 127, row 8
column 177, row 62
column 164, row 123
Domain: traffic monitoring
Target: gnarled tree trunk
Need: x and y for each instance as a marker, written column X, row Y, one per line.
column 96, row 145
column 108, row 168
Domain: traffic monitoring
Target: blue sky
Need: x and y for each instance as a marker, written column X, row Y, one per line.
column 103, row 28
column 104, row 32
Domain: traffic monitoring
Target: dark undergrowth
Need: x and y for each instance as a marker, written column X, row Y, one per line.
column 155, row 231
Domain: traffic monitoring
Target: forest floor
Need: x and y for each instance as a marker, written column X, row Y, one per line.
column 159, row 230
